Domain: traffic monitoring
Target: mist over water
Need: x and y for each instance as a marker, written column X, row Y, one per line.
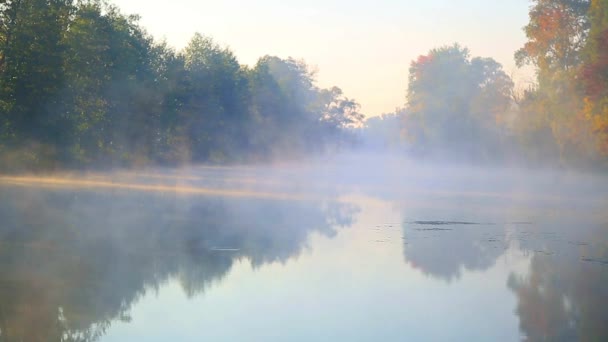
column 149, row 193
column 364, row 247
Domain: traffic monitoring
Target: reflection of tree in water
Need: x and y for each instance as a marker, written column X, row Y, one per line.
column 445, row 235
column 565, row 295
column 445, row 253
column 74, row 262
column 478, row 234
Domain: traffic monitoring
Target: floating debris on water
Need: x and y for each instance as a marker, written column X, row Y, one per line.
column 578, row 243
column 444, row 223
column 432, row 229
column 215, row 249
column 596, row 261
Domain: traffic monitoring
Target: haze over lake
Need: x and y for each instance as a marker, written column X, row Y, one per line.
column 304, row 253
column 303, row 171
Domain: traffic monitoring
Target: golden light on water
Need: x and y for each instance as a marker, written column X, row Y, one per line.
column 250, row 186
column 97, row 183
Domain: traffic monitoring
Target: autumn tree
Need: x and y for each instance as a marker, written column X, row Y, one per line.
column 557, row 35
column 595, row 74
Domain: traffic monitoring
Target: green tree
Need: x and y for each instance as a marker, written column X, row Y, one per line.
column 214, row 96
column 112, row 94
column 31, row 73
column 82, row 85
column 285, row 107
column 339, row 116
column 454, row 103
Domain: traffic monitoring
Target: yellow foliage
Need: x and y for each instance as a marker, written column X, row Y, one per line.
column 597, row 115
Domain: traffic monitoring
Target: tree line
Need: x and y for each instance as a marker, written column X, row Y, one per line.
column 463, row 107
column 83, row 85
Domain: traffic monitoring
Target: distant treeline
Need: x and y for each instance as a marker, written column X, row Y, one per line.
column 460, row 107
column 82, row 85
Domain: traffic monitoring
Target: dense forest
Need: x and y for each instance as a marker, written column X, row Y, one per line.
column 83, row 85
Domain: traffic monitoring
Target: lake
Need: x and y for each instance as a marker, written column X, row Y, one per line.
column 304, row 254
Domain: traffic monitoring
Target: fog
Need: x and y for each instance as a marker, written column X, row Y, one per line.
column 154, row 193
column 97, row 92
column 82, row 251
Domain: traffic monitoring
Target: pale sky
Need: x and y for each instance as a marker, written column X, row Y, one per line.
column 364, row 47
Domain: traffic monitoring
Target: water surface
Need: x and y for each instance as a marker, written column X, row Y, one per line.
column 295, row 256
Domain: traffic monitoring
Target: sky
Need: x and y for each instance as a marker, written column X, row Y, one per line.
column 363, row 47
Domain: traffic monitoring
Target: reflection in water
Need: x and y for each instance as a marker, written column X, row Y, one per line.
column 565, row 295
column 73, row 262
column 447, row 235
column 444, row 250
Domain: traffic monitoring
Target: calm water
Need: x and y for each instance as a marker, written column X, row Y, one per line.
column 286, row 258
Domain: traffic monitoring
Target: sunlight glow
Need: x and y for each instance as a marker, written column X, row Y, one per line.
column 68, row 183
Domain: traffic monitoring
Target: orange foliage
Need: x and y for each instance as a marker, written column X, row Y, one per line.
column 419, row 65
column 597, row 116
column 595, row 73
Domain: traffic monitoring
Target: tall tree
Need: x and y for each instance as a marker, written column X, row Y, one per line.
column 86, row 85
column 214, row 99
column 339, row 116
column 31, row 59
column 595, row 73
column 285, row 106
column 112, row 93
column 454, row 102
column 556, row 34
